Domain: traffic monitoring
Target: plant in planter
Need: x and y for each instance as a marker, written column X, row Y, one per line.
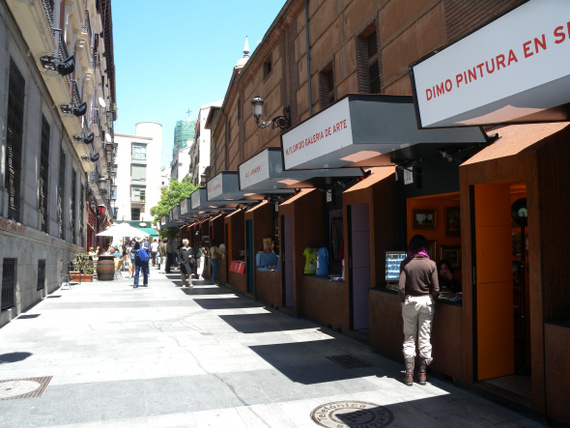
column 83, row 268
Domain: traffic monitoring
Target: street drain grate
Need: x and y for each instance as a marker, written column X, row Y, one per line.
column 352, row 414
column 349, row 361
column 14, row 389
column 28, row 317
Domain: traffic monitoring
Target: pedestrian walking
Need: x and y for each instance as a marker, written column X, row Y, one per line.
column 200, row 253
column 418, row 287
column 131, row 258
column 169, row 255
column 162, row 255
column 154, row 251
column 186, row 259
column 141, row 263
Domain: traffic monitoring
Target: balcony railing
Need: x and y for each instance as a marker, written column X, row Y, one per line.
column 86, row 27
column 48, row 6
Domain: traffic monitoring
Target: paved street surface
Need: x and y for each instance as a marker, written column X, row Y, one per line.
column 105, row 354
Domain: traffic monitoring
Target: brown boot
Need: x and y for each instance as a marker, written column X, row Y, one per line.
column 409, row 364
column 422, row 371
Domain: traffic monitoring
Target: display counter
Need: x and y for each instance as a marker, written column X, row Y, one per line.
column 386, row 330
column 325, row 300
column 268, row 287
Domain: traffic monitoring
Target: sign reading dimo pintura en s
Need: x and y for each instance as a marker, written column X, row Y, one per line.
column 514, row 69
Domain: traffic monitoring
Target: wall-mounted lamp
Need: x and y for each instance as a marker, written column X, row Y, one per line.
column 85, row 139
column 92, row 205
column 93, row 158
column 77, row 111
column 203, row 180
column 63, row 68
column 281, row 122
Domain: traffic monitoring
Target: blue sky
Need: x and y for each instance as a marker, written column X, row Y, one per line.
column 172, row 56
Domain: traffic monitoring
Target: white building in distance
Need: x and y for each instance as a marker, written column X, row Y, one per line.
column 139, row 175
column 180, row 165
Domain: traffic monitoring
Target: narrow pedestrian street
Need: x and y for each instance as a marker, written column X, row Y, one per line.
column 105, row 354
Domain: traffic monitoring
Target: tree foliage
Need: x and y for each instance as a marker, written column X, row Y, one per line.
column 170, row 198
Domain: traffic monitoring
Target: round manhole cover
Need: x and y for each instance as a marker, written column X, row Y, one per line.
column 17, row 387
column 354, row 414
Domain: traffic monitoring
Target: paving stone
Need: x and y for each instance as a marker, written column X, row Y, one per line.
column 206, row 356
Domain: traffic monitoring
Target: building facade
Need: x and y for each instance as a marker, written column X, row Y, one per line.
column 336, row 90
column 57, row 111
column 139, row 175
column 200, row 149
column 180, row 165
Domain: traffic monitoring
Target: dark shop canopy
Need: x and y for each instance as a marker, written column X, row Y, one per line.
column 264, row 173
column 225, row 187
column 188, row 213
column 364, row 131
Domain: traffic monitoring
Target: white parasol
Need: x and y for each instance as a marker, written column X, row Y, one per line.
column 122, row 230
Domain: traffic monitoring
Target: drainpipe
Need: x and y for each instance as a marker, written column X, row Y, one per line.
column 225, row 141
column 308, row 58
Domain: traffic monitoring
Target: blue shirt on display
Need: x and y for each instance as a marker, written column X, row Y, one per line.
column 323, row 262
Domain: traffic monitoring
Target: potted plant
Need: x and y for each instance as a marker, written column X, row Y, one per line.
column 83, row 268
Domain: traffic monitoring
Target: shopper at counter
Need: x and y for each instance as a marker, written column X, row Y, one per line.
column 418, row 287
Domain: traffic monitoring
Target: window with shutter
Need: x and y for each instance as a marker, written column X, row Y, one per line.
column 14, row 134
column 44, row 176
column 60, row 194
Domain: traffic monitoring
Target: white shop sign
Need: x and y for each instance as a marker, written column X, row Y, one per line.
column 325, row 133
column 516, row 66
column 254, row 170
column 214, row 187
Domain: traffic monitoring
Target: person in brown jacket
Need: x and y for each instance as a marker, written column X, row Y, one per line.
column 418, row 287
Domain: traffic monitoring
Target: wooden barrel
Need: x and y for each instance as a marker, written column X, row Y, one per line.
column 106, row 268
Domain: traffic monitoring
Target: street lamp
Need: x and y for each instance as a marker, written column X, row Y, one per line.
column 281, row 122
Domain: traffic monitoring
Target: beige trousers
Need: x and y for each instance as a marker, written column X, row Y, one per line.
column 417, row 313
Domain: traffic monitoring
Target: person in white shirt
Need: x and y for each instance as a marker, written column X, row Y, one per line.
column 154, row 251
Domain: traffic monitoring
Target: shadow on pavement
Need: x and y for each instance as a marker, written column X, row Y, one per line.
column 226, row 303
column 261, row 323
column 13, row 357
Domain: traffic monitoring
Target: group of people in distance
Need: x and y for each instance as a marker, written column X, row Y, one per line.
column 418, row 287
column 166, row 254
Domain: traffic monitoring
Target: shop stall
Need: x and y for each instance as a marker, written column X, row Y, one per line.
column 264, row 174
column 213, row 229
column 318, row 298
column 263, row 265
column 234, row 261
column 515, row 299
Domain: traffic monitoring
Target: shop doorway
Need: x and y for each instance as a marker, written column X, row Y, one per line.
column 250, row 255
column 287, row 251
column 502, row 339
column 359, row 264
